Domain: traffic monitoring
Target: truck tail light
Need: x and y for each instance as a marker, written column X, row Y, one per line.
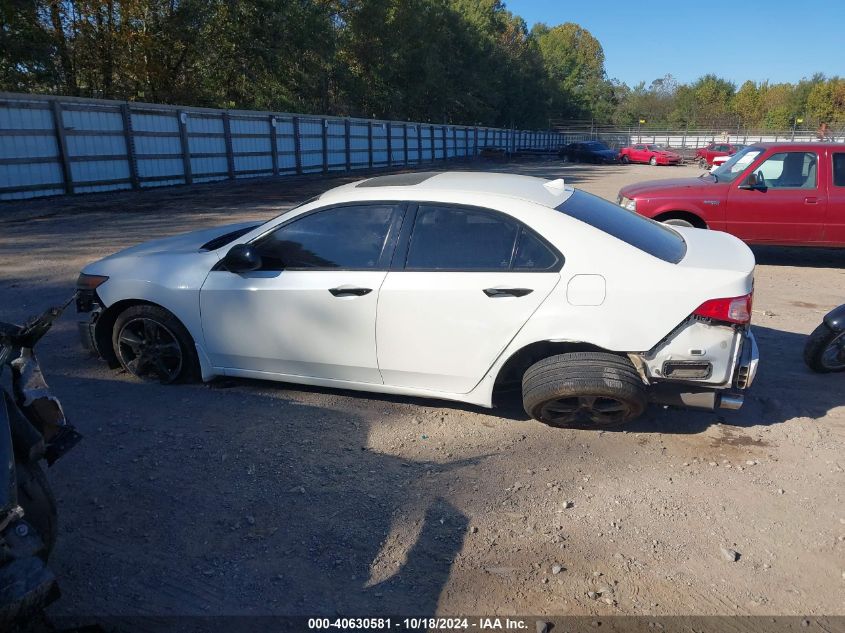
column 731, row 309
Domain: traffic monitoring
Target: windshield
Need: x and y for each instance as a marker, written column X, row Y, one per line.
column 656, row 148
column 595, row 145
column 736, row 164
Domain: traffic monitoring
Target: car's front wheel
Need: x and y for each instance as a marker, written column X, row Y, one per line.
column 652, row 161
column 151, row 344
column 625, row 160
column 583, row 390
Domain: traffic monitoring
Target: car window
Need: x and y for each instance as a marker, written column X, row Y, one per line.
column 532, row 253
column 736, row 164
column 639, row 146
column 462, row 239
column 450, row 238
column 788, row 170
column 640, row 232
column 350, row 237
column 839, row 170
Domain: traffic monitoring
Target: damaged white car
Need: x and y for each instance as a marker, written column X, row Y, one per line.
column 452, row 285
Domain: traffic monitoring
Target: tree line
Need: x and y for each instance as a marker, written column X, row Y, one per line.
column 453, row 61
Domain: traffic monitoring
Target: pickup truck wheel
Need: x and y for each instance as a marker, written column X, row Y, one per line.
column 583, row 390
column 652, row 161
column 824, row 351
column 679, row 222
column 151, row 344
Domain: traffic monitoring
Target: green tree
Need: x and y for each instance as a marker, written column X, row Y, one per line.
column 574, row 63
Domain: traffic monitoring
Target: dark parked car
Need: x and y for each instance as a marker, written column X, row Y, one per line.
column 588, row 152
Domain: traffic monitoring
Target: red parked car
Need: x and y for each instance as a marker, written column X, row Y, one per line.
column 705, row 155
column 649, row 153
column 769, row 193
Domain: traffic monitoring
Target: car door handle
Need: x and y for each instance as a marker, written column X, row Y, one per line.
column 810, row 200
column 507, row 292
column 350, row 291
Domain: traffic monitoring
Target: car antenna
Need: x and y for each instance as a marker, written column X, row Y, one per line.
column 556, row 186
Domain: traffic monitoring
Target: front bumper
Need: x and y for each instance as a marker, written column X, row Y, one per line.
column 88, row 311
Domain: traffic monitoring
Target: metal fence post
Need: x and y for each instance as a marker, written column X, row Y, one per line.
column 419, row 144
column 445, row 151
column 475, row 142
column 347, row 144
column 297, row 147
column 274, row 145
column 186, row 147
column 61, row 143
column 227, row 136
column 130, row 146
column 405, row 141
column 388, row 129
column 431, row 130
column 455, row 140
column 325, row 140
column 370, row 143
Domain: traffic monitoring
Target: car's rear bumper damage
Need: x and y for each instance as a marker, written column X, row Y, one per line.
column 701, row 366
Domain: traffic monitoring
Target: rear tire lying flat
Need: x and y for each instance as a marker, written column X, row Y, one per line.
column 583, row 390
column 822, row 352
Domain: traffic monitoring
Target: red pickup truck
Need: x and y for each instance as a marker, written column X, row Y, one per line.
column 769, row 193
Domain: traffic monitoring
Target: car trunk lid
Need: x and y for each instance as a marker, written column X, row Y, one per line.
column 728, row 261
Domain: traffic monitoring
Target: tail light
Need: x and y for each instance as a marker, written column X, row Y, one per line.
column 731, row 309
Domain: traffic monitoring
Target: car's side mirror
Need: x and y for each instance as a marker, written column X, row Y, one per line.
column 242, row 258
column 754, row 181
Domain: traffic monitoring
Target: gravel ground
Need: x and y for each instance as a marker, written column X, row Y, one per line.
column 248, row 497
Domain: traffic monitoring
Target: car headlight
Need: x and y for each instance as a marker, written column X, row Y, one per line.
column 628, row 203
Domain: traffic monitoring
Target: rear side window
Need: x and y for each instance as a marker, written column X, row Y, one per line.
column 839, row 170
column 461, row 239
column 642, row 233
column 532, row 254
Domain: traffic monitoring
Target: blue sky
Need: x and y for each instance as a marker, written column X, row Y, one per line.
column 778, row 40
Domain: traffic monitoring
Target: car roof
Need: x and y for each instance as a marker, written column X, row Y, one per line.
column 799, row 145
column 548, row 193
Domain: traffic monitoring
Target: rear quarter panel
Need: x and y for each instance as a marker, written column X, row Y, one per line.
column 644, row 299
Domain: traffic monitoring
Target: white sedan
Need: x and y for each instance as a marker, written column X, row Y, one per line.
column 449, row 285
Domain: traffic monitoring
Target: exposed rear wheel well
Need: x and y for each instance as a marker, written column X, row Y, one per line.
column 690, row 217
column 510, row 375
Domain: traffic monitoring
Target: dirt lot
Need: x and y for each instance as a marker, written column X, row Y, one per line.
column 247, row 497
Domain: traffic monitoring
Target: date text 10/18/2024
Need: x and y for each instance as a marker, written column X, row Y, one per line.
column 418, row 624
